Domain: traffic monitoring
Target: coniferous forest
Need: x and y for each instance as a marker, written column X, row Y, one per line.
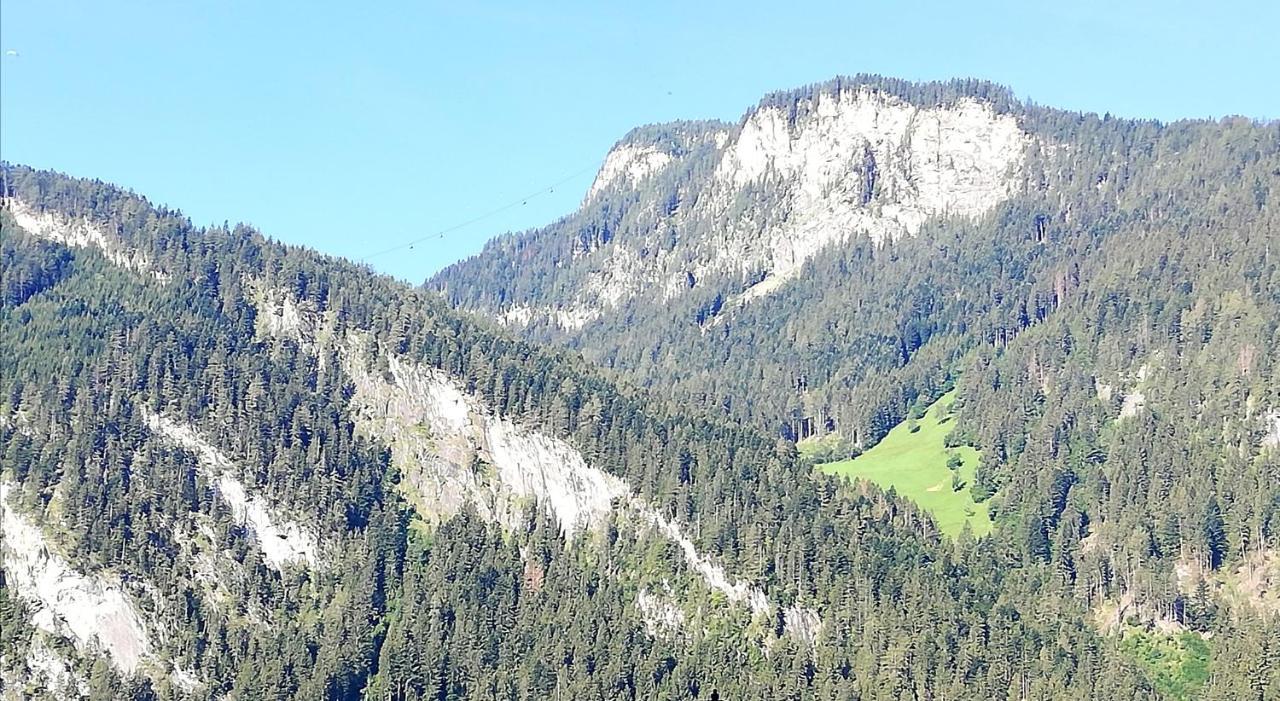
column 1110, row 331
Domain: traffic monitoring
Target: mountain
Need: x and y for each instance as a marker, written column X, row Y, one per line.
column 1100, row 293
column 231, row 468
column 681, row 209
column 849, row 252
column 858, row 232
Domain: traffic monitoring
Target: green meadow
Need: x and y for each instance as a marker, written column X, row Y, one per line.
column 913, row 459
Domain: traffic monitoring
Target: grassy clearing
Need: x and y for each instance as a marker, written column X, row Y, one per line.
column 913, row 460
column 1178, row 665
column 829, row 448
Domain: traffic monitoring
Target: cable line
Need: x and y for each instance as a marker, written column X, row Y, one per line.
column 511, row 205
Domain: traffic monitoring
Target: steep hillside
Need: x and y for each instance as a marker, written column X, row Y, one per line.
column 1101, row 294
column 827, row 260
column 274, row 474
column 235, row 469
column 739, row 209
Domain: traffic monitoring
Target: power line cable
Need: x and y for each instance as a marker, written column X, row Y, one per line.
column 511, row 205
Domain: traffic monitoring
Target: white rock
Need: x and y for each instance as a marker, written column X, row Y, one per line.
column 1271, row 424
column 1134, row 402
column 186, row 680
column 575, row 317
column 517, row 315
column 50, row 670
column 802, row 624
column 452, row 450
column 282, row 318
column 630, row 162
column 80, row 233
column 660, row 611
column 535, row 465
column 280, row 315
column 282, row 541
column 712, row 573
column 93, row 611
column 438, row 435
column 1143, row 372
column 959, row 160
column 569, row 319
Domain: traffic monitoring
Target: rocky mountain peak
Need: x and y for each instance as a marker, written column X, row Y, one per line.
column 745, row 206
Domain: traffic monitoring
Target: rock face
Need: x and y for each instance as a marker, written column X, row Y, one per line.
column 862, row 162
column 712, row 574
column 802, row 624
column 49, row 669
column 660, row 611
column 93, row 611
column 450, row 448
column 282, row 541
column 1271, row 429
column 629, row 162
column 752, row 203
column 453, row 450
column 1135, row 402
column 81, row 233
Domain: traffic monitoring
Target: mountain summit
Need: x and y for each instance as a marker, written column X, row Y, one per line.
column 740, row 208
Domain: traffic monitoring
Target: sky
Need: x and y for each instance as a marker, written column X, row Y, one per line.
column 354, row 128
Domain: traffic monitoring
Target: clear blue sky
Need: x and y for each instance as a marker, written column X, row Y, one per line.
column 353, row 128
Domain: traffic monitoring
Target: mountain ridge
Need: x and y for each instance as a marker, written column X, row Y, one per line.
column 512, row 293
column 628, row 516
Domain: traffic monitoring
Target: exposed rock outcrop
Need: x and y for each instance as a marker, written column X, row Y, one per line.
column 92, row 610
column 863, row 162
column 660, row 611
column 1271, row 429
column 81, row 233
column 630, row 162
column 453, row 450
column 756, row 201
column 282, row 540
column 44, row 668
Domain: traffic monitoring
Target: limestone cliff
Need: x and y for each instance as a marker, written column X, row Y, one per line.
column 684, row 207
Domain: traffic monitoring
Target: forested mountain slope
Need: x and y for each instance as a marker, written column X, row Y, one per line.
column 823, row 262
column 235, row 469
column 1105, row 294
